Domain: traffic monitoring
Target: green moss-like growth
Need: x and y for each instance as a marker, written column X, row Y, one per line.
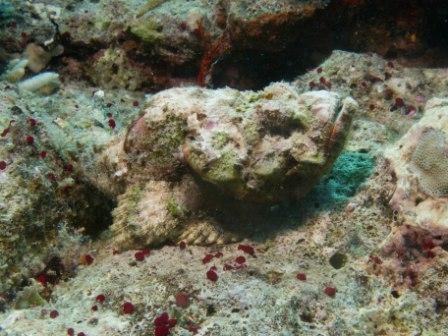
column 150, row 5
column 225, row 169
column 165, row 139
column 175, row 209
column 147, row 29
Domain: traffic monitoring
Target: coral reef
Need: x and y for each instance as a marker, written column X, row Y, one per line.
column 203, row 211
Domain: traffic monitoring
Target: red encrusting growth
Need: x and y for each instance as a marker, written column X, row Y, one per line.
column 182, row 300
column 193, row 328
column 86, row 259
column 139, row 256
column 330, row 291
column 247, row 249
column 209, row 257
column 163, row 324
column 3, row 165
column 42, row 279
column 43, row 154
column 54, row 314
column 301, row 276
column 112, row 123
column 32, row 121
column 375, row 259
column 29, row 139
column 399, row 102
column 100, row 298
column 70, row 332
column 182, row 245
column 240, row 260
column 212, row 275
column 127, row 308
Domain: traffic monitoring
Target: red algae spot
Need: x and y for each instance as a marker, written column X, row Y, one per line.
column 86, row 259
column 322, row 80
column 112, row 123
column 312, row 84
column 127, row 308
column 100, row 298
column 207, row 258
column 163, row 324
column 375, row 259
column 162, row 319
column 247, row 249
column 54, row 314
column 399, row 102
column 135, row 103
column 319, row 70
column 29, row 139
column 70, row 332
column 182, row 245
column 330, row 291
column 81, row 334
column 390, row 64
column 43, row 154
column 212, row 275
column 193, row 328
column 301, row 276
column 68, row 167
column 218, row 254
column 42, row 279
column 94, row 308
column 3, row 165
column 32, row 121
column 161, row 330
column 227, row 267
column 240, row 260
column 182, row 300
column 51, row 177
column 139, row 256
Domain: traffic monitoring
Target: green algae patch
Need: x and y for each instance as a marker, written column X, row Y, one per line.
column 349, row 171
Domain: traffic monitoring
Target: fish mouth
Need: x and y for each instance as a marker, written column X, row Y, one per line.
column 337, row 112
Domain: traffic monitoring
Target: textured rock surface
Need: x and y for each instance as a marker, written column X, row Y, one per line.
column 419, row 159
column 47, row 143
column 386, row 261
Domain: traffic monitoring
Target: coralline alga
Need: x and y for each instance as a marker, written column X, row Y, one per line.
column 195, row 150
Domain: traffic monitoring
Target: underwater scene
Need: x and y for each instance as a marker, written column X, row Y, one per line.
column 223, row 167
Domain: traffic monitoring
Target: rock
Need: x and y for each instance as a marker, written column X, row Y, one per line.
column 45, row 83
column 419, row 160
